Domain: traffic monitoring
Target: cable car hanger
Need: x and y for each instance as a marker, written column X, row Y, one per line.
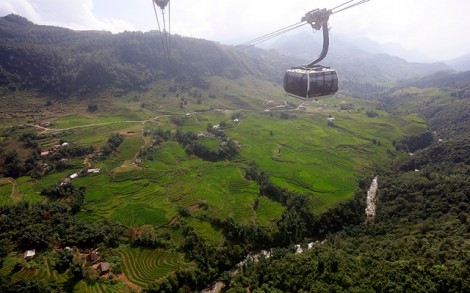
column 164, row 35
column 311, row 80
column 297, row 25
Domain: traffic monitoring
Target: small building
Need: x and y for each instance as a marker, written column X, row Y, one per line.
column 65, row 144
column 73, row 176
column 236, row 120
column 94, row 171
column 238, row 144
column 29, row 254
column 275, row 104
column 103, row 267
column 45, row 153
column 66, row 181
column 216, row 126
column 93, row 257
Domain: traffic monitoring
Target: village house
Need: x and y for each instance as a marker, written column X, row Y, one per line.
column 275, row 104
column 66, row 181
column 93, row 257
column 103, row 268
column 29, row 254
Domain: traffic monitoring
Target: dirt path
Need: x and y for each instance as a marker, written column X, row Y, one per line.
column 86, row 162
column 15, row 192
column 214, row 288
column 126, row 281
column 146, row 139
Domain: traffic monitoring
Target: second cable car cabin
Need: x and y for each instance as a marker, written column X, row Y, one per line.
column 305, row 83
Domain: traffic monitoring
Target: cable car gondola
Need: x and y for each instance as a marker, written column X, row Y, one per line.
column 313, row 80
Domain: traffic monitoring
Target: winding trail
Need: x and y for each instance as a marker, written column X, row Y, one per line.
column 146, row 140
column 15, row 192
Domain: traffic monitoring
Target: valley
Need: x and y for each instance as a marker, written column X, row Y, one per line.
column 144, row 185
column 122, row 173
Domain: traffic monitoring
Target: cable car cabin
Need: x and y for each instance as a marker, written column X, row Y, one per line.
column 314, row 82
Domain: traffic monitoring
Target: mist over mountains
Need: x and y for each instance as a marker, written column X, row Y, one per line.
column 375, row 60
column 461, row 63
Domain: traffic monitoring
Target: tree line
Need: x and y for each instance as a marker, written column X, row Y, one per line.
column 193, row 144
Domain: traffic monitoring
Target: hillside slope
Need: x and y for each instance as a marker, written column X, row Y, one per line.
column 63, row 61
column 353, row 63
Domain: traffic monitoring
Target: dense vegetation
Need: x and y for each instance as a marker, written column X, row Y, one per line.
column 419, row 240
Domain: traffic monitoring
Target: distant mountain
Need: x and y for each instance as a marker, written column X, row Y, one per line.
column 353, row 61
column 392, row 49
column 446, row 110
column 444, row 80
column 461, row 63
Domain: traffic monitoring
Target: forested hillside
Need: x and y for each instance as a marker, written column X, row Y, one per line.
column 63, row 61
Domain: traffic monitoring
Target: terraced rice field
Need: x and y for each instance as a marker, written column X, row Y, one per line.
column 99, row 287
column 45, row 273
column 144, row 266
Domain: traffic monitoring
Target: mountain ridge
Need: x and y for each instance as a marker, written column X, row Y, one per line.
column 65, row 61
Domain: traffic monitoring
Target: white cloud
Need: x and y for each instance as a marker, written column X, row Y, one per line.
column 436, row 27
column 71, row 14
column 21, row 7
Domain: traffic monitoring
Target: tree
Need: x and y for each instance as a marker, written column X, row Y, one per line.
column 76, row 269
column 13, row 165
column 92, row 108
column 63, row 260
column 115, row 140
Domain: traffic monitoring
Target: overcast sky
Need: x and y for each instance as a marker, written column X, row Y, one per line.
column 438, row 28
